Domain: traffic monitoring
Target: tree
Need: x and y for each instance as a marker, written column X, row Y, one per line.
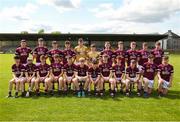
column 24, row 32
column 41, row 31
column 56, row 32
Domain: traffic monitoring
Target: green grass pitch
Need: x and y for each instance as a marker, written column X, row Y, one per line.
column 71, row 108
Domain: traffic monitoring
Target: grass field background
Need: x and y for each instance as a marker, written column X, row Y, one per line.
column 84, row 109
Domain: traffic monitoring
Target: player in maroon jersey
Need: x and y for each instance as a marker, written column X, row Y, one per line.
column 118, row 73
column 18, row 77
column 107, row 50
column 158, row 53
column 39, row 50
column 120, row 52
column 81, row 75
column 23, row 51
column 132, row 54
column 132, row 76
column 94, row 76
column 56, row 75
column 105, row 71
column 69, row 73
column 30, row 75
column 149, row 72
column 165, row 76
column 68, row 52
column 43, row 72
column 54, row 51
column 143, row 53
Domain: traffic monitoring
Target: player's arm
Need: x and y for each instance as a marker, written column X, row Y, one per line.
column 62, row 72
column 159, row 75
column 38, row 76
column 171, row 79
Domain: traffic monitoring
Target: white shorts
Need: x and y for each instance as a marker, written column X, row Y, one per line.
column 131, row 80
column 42, row 79
column 82, row 79
column 118, row 79
column 106, row 78
column 150, row 82
column 165, row 84
column 37, row 64
column 69, row 79
column 140, row 68
column 22, row 79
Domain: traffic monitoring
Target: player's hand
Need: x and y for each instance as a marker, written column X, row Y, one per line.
column 170, row 84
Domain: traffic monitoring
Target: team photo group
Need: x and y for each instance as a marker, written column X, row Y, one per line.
column 85, row 70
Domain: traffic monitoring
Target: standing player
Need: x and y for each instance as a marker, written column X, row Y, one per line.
column 118, row 73
column 68, row 52
column 149, row 73
column 107, row 50
column 165, row 76
column 69, row 75
column 18, row 76
column 81, row 76
column 23, row 51
column 132, row 77
column 30, row 75
column 54, row 51
column 93, row 54
column 132, row 54
column 40, row 50
column 94, row 76
column 158, row 53
column 81, row 50
column 56, row 74
column 43, row 72
column 143, row 53
column 120, row 52
column 105, row 71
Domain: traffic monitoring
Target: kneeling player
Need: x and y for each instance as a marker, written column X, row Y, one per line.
column 132, row 77
column 43, row 71
column 18, row 77
column 56, row 74
column 149, row 73
column 81, row 76
column 165, row 76
column 105, row 71
column 94, row 76
column 30, row 75
column 69, row 74
column 118, row 73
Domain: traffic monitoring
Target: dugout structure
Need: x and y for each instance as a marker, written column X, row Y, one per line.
column 9, row 41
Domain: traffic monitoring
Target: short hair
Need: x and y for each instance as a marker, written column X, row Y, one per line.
column 16, row 57
column 144, row 44
column 158, row 43
column 120, row 42
column 93, row 45
column 81, row 59
column 56, row 56
column 165, row 57
column 42, row 57
column 133, row 61
column 80, row 40
column 40, row 39
column 67, row 42
column 133, row 43
column 23, row 40
column 54, row 42
column 151, row 56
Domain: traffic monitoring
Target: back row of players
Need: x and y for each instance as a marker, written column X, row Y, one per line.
column 88, row 66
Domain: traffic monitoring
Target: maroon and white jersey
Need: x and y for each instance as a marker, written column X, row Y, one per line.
column 110, row 53
column 143, row 54
column 122, row 54
column 132, row 55
column 56, row 68
column 105, row 69
column 82, row 71
column 30, row 69
column 149, row 70
column 52, row 52
column 17, row 70
column 132, row 71
column 94, row 72
column 43, row 69
column 23, row 53
column 40, row 51
column 165, row 71
column 158, row 54
column 69, row 69
column 118, row 70
column 68, row 53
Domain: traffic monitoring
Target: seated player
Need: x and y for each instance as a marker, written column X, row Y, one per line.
column 118, row 73
column 56, row 75
column 165, row 76
column 18, row 77
column 94, row 76
column 149, row 73
column 30, row 75
column 43, row 72
column 105, row 71
column 69, row 74
column 132, row 77
column 81, row 76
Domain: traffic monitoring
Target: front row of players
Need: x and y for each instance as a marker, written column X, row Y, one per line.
column 82, row 76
